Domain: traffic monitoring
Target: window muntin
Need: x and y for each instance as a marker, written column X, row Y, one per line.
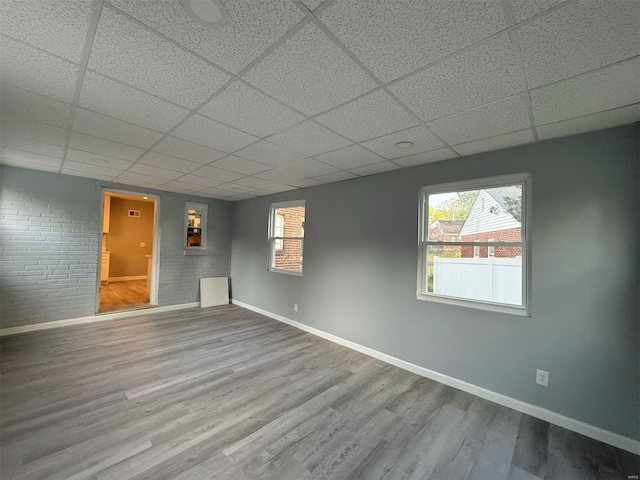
column 286, row 237
column 196, row 226
column 487, row 264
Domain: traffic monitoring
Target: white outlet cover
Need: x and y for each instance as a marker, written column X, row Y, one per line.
column 295, row 307
column 542, row 378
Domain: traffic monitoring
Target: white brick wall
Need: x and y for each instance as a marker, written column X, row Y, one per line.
column 49, row 246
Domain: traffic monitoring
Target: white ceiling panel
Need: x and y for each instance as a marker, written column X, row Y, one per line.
column 89, row 169
column 127, row 51
column 126, row 103
column 375, row 168
column 21, row 106
column 279, row 176
column 80, row 141
column 596, row 121
column 235, row 188
column 202, row 182
column 32, row 130
column 309, row 167
column 396, row 38
column 178, row 186
column 246, row 108
column 171, row 163
column 580, row 37
column 370, row 116
column 239, row 196
column 175, row 147
column 212, row 134
column 306, row 183
column 240, row 165
column 58, row 26
column 255, row 182
column 421, row 138
column 131, row 178
column 336, row 177
column 425, row 157
column 470, row 79
column 251, row 27
column 310, row 73
column 97, row 159
column 98, row 125
column 309, row 138
column 17, row 158
column 503, row 116
column 36, row 71
column 611, row 87
column 524, row 9
column 213, row 193
column 495, row 143
column 16, row 142
column 278, row 188
column 150, row 170
column 269, row 154
column 350, row 157
column 92, row 175
column 215, row 174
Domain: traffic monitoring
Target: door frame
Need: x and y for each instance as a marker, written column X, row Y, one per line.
column 155, row 252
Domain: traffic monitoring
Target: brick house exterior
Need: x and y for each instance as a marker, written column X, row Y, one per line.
column 506, row 235
column 289, row 255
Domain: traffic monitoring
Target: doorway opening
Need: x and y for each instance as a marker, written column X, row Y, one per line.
column 128, row 252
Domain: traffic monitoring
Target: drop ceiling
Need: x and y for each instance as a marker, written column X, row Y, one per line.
column 291, row 94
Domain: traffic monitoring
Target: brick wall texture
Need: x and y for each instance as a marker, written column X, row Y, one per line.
column 290, row 256
column 507, row 235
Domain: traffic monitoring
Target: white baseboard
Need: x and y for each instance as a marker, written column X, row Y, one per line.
column 94, row 318
column 572, row 424
column 127, row 279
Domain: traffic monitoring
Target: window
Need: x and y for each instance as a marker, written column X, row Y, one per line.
column 195, row 226
column 286, row 237
column 487, row 265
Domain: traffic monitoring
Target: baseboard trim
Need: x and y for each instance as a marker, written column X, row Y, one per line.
column 127, row 279
column 94, row 318
column 597, row 433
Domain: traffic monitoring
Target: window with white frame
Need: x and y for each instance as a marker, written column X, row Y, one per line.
column 286, row 237
column 195, row 226
column 489, row 263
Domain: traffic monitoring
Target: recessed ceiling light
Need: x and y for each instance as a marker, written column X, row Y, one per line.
column 209, row 12
column 404, row 145
column 145, row 198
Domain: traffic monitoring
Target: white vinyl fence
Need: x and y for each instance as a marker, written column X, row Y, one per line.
column 489, row 279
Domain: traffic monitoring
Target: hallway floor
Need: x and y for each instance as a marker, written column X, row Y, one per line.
column 129, row 295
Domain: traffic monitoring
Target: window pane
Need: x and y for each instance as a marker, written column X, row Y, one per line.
column 289, row 257
column 484, row 215
column 454, row 271
column 194, row 230
column 292, row 222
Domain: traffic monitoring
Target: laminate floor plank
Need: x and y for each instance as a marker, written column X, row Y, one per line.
column 225, row 393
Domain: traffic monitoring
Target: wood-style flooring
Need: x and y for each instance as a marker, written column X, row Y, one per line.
column 127, row 295
column 225, row 393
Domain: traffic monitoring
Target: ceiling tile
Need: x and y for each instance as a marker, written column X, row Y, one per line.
column 309, row 167
column 336, row 177
column 495, row 143
column 597, row 121
column 97, row 159
column 279, row 188
column 16, row 142
column 88, row 143
column 578, row 38
column 21, row 106
column 235, row 187
column 181, row 187
column 127, row 51
column 375, row 168
column 209, row 133
column 269, row 154
column 310, row 73
column 92, row 175
column 421, row 138
column 176, row 147
column 261, row 193
column 507, row 115
column 58, row 26
column 425, row 157
column 37, row 72
column 239, row 196
column 396, row 38
column 255, row 182
column 312, row 4
column 152, row 171
column 215, row 174
column 170, row 163
column 240, row 165
column 524, row 9
column 213, row 193
column 126, row 103
column 131, row 178
column 350, row 157
column 98, row 125
column 279, row 176
column 251, row 28
column 469, row 79
column 611, row 87
column 18, row 158
column 33, row 130
column 306, row 183
column 370, row 116
column 201, row 181
column 309, row 138
column 246, row 108
column 90, row 170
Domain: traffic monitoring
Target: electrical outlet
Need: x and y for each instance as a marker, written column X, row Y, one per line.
column 295, row 307
column 142, row 244
column 542, row 378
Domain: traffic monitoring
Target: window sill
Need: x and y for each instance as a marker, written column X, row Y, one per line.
column 187, row 252
column 286, row 272
column 490, row 307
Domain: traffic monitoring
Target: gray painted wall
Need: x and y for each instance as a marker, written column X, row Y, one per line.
column 50, row 246
column 360, row 266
